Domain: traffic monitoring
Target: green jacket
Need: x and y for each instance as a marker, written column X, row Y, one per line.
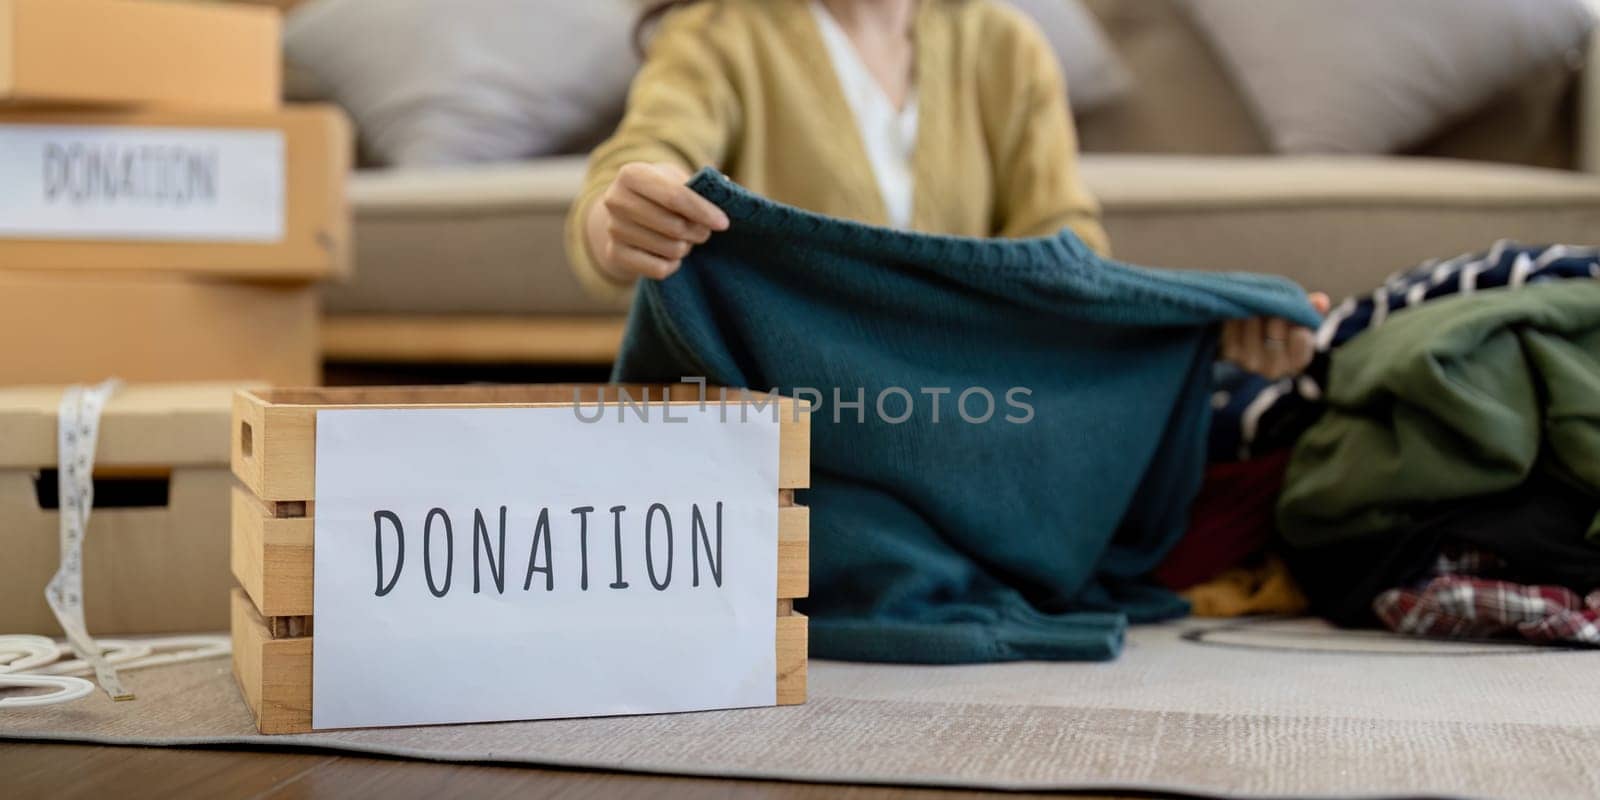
column 1454, row 399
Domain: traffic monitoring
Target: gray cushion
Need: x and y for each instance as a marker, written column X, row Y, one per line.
column 1376, row 76
column 432, row 82
column 488, row 240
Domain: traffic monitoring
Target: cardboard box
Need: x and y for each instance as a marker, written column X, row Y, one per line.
column 258, row 196
column 156, row 556
column 85, row 327
column 186, row 55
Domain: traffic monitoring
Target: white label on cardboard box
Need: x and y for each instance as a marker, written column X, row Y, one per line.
column 141, row 183
column 486, row 564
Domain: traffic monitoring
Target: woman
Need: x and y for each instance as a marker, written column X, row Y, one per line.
column 940, row 116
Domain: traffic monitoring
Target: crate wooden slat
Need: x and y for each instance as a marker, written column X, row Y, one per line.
column 273, row 674
column 274, row 511
column 274, row 447
column 271, row 556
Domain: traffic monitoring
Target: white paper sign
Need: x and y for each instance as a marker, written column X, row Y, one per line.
column 656, row 595
column 107, row 182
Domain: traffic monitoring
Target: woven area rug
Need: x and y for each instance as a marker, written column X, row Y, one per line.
column 1262, row 708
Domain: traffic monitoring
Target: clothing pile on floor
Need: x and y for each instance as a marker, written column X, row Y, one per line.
column 949, row 525
column 1445, row 469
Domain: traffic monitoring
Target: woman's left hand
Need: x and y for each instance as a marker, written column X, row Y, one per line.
column 1270, row 347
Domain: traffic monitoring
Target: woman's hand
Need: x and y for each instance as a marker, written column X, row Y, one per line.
column 1270, row 347
column 646, row 221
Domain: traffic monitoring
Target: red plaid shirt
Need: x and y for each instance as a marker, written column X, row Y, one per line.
column 1460, row 603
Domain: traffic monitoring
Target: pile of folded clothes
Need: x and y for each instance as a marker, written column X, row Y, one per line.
column 1439, row 462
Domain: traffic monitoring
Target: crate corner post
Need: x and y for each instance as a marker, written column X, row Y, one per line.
column 794, row 548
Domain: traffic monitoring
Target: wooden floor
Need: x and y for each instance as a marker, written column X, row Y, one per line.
column 64, row 771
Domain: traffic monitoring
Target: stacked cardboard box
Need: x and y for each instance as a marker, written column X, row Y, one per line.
column 163, row 218
column 162, row 215
column 156, row 556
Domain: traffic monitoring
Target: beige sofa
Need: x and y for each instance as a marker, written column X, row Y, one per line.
column 465, row 264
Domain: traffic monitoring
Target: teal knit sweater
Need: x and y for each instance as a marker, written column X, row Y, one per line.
column 947, row 535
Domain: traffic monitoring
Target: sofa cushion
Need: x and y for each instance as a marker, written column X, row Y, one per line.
column 1340, row 224
column 489, row 239
column 1181, row 99
column 480, row 239
column 1533, row 123
column 1094, row 74
column 1323, row 78
column 469, row 80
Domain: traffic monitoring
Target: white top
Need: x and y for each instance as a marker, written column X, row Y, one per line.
column 889, row 133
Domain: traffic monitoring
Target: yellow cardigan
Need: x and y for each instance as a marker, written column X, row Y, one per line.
column 747, row 86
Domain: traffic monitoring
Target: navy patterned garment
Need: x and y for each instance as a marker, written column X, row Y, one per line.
column 1254, row 415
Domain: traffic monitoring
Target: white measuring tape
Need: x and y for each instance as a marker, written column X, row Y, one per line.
column 20, row 653
column 77, row 431
column 30, row 661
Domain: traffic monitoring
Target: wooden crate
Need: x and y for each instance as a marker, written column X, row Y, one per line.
column 273, row 509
